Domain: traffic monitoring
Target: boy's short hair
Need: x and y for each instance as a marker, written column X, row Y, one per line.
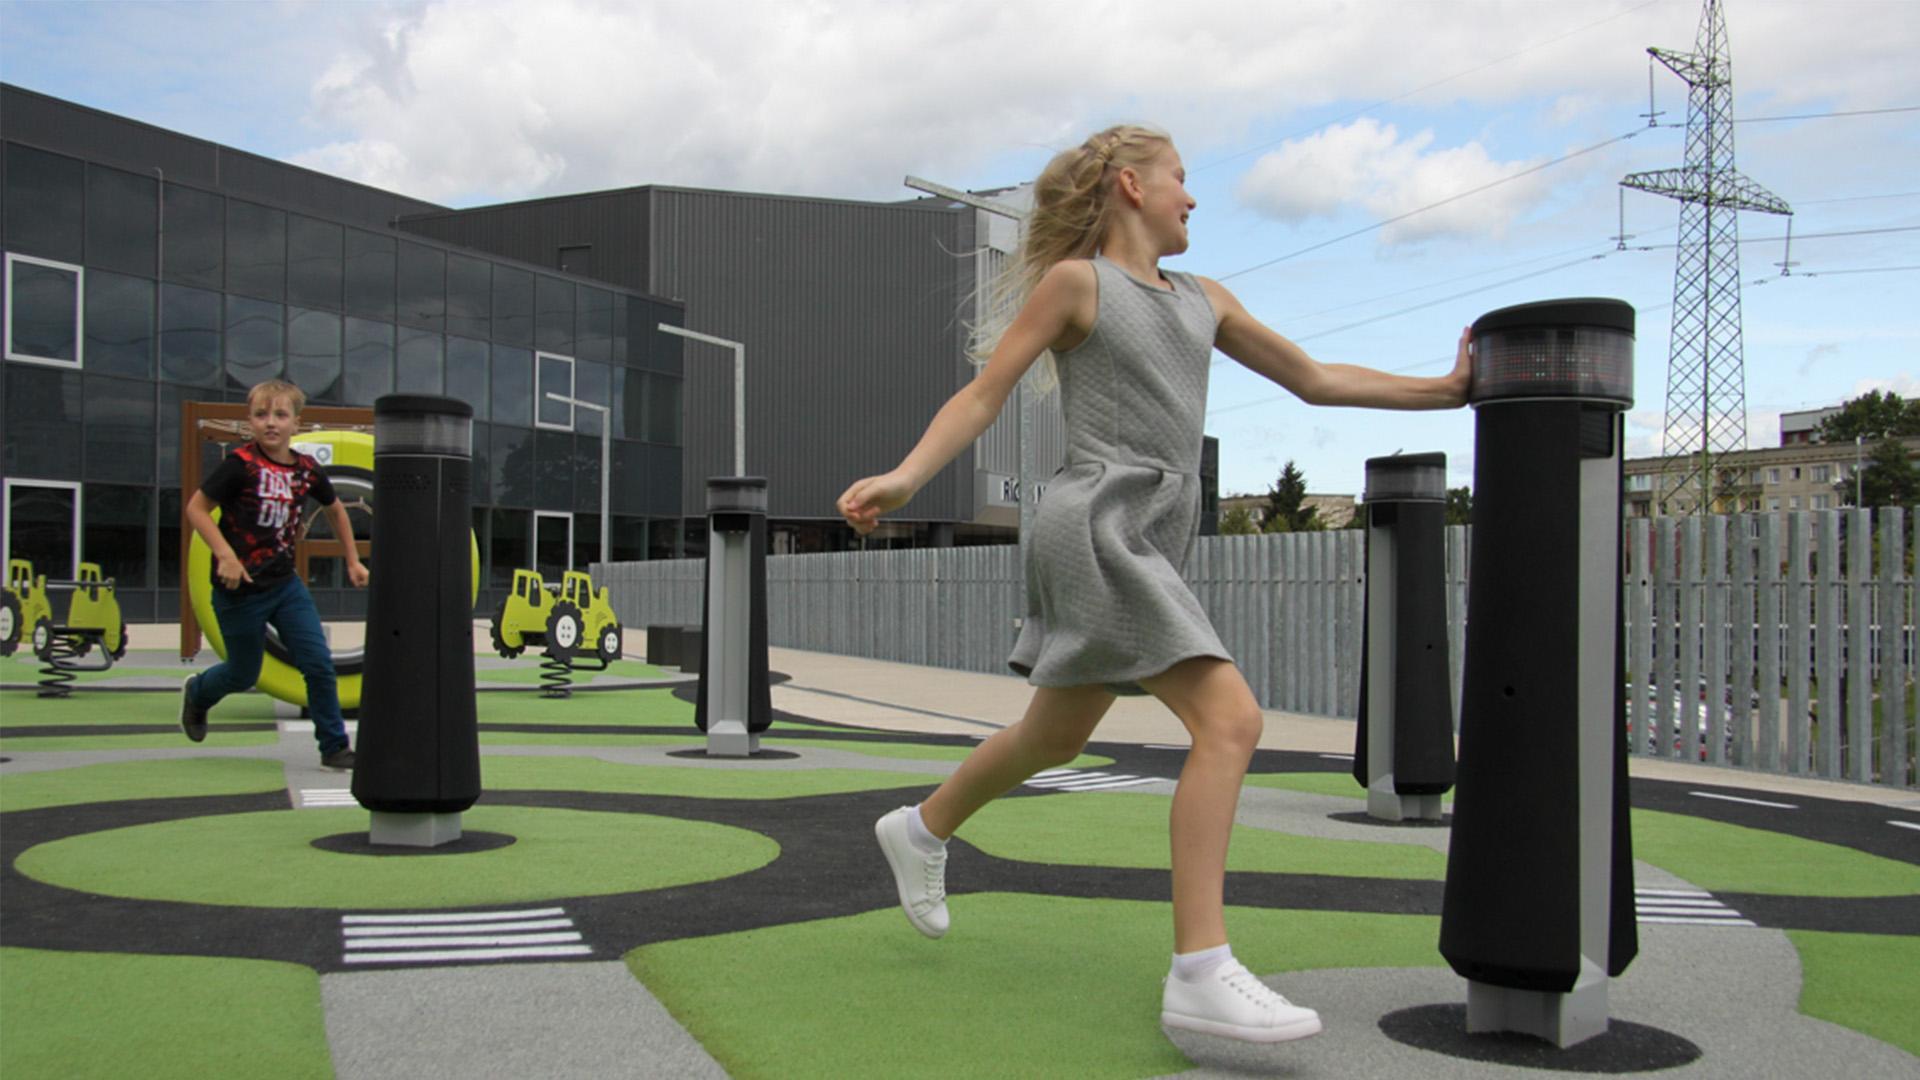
column 277, row 388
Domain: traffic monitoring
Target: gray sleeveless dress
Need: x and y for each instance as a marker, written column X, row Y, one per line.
column 1105, row 601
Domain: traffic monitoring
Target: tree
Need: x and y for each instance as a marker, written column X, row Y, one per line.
column 1238, row 522
column 1287, row 509
column 1872, row 415
column 1460, row 506
column 1888, row 478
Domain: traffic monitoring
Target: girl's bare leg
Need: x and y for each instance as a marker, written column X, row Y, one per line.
column 1056, row 727
column 1218, row 708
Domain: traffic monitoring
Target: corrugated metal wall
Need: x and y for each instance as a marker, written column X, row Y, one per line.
column 851, row 317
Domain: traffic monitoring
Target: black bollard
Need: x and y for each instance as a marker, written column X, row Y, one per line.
column 1538, row 912
column 1403, row 744
column 417, row 764
column 734, row 704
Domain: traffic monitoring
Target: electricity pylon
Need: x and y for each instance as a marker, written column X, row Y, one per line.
column 1706, row 373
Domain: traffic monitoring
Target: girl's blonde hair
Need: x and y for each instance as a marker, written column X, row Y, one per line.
column 1073, row 210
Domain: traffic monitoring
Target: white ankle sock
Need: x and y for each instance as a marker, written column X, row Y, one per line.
column 1194, row 966
column 917, row 832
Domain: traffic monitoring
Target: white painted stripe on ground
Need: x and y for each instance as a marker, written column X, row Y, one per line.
column 328, row 797
column 459, row 916
column 394, row 930
column 1111, row 785
column 1679, row 901
column 1054, row 773
column 1671, row 892
column 1670, row 920
column 530, row 952
column 1738, row 799
column 1338, row 757
column 1697, row 912
column 1905, row 824
column 1072, row 780
column 469, row 939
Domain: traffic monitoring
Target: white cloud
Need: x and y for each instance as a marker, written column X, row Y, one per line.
column 1367, row 164
column 504, row 98
column 1903, row 384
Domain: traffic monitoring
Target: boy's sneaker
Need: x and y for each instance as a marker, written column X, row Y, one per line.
column 1230, row 1001
column 193, row 718
column 339, row 759
column 921, row 878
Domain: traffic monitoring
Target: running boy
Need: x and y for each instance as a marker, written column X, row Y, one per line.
column 259, row 489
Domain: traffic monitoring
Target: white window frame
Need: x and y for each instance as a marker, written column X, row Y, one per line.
column 67, row 573
column 1823, row 502
column 533, row 549
column 1773, row 476
column 79, row 306
column 540, row 392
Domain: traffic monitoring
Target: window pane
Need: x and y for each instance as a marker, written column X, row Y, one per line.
column 590, row 384
column 647, row 346
column 190, row 322
column 123, row 220
column 512, row 389
column 663, row 409
column 556, row 377
column 313, row 353
column 469, row 296
column 512, row 305
column 120, row 430
column 115, row 526
column 467, row 362
column 586, row 538
column 256, row 347
column 367, row 370
column 43, row 308
column 553, row 470
column 628, row 538
column 617, row 343
column 40, row 528
column 44, row 204
column 482, row 470
column 43, row 422
column 167, row 570
column 422, row 285
column 193, row 237
column 418, row 370
column 593, row 325
column 586, row 475
column 664, row 539
column 256, row 250
column 369, row 270
column 553, row 299
column 315, row 263
column 508, row 545
column 119, row 325
column 629, row 404
column 512, row 452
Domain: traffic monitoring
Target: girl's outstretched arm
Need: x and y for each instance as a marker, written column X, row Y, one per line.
column 1249, row 341
column 1057, row 316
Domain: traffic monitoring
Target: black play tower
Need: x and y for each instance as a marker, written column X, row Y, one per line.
column 1539, row 913
column 418, row 760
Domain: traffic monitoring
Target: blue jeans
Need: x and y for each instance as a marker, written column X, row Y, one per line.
column 289, row 609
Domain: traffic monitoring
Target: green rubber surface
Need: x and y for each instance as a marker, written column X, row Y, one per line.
column 1114, row 829
column 1851, row 980
column 1041, row 988
column 266, row 860
column 140, row 780
column 110, row 1016
column 505, row 772
column 1733, row 858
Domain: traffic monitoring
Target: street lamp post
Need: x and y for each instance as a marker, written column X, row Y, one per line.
column 606, row 464
column 739, row 389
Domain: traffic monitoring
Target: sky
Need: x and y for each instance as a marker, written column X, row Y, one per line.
column 1371, row 175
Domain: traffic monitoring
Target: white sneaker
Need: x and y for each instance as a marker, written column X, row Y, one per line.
column 921, row 878
column 1230, row 1001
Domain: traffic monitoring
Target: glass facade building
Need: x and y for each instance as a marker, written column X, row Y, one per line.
column 127, row 293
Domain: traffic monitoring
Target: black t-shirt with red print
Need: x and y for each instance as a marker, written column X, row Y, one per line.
column 259, row 501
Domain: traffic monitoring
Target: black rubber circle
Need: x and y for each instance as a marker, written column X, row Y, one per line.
column 1625, row 1047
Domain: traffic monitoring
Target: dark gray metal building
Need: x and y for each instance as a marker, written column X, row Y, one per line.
column 145, row 268
column 852, row 315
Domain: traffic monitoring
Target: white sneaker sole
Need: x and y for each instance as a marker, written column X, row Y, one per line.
column 1299, row 1029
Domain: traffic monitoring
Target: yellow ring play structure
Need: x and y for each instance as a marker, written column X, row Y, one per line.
column 347, row 459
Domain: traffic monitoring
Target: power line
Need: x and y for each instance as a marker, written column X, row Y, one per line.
column 1817, row 116
column 1422, row 89
column 1378, row 225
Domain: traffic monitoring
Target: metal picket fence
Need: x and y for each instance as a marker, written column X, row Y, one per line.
column 1755, row 608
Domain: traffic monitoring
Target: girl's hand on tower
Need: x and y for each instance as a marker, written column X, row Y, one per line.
column 864, row 502
column 1462, row 374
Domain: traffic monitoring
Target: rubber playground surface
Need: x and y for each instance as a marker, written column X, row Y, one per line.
column 621, row 906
